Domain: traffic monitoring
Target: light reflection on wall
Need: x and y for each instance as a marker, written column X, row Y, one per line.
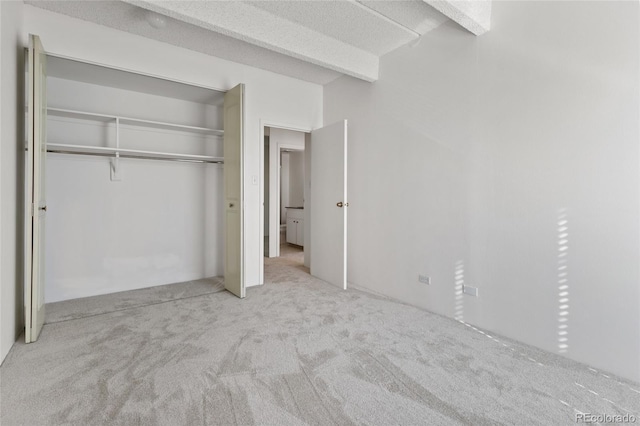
column 458, row 311
column 563, row 281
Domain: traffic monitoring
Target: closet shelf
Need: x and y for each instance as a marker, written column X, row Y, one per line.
column 129, row 153
column 59, row 112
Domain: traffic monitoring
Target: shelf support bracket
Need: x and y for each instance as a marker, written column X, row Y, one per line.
column 116, row 172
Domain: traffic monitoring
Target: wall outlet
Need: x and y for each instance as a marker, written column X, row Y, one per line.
column 424, row 279
column 471, row 291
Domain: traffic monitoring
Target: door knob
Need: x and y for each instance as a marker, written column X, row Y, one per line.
column 231, row 205
column 43, row 208
column 341, row 204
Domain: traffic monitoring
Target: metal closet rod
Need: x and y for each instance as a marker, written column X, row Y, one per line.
column 142, row 157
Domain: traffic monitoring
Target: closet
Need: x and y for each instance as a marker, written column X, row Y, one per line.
column 137, row 194
column 134, row 181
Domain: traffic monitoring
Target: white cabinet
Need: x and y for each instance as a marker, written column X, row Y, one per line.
column 292, row 232
column 295, row 226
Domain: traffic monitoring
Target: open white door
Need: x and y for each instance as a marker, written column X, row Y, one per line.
column 234, row 211
column 329, row 204
column 36, row 206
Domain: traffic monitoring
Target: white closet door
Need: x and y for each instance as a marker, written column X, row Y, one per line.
column 36, row 206
column 233, row 197
column 329, row 204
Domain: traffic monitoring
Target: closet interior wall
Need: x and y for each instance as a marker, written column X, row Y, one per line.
column 161, row 223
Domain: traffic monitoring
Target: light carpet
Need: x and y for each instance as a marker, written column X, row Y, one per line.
column 295, row 351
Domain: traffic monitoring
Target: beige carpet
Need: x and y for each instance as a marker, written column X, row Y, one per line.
column 295, row 351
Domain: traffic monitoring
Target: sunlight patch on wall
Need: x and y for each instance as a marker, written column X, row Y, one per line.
column 458, row 310
column 563, row 281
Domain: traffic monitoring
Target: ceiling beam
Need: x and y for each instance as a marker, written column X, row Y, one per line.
column 409, row 31
column 473, row 15
column 250, row 24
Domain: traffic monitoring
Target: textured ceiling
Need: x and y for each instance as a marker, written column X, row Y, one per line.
column 125, row 17
column 350, row 22
column 316, row 41
column 240, row 20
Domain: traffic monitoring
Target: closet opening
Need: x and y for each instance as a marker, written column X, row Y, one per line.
column 134, row 186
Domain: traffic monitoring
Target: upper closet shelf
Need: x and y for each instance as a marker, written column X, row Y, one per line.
column 59, row 112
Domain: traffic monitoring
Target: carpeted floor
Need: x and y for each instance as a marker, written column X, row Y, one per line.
column 295, row 351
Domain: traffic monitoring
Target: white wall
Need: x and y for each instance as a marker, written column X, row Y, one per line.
column 291, row 181
column 268, row 96
column 266, row 187
column 284, row 186
column 11, row 171
column 469, row 151
column 12, row 307
column 161, row 224
column 296, row 178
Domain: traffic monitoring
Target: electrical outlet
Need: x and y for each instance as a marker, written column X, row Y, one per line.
column 424, row 279
column 471, row 291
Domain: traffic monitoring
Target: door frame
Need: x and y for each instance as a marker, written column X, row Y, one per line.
column 283, row 126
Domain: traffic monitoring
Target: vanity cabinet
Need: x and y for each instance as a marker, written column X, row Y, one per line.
column 295, row 226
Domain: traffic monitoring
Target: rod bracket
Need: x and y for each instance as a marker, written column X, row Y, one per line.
column 115, row 168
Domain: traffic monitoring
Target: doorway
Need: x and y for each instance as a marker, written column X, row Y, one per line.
column 324, row 241
column 284, row 193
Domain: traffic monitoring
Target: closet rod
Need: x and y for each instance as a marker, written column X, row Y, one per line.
column 143, row 157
